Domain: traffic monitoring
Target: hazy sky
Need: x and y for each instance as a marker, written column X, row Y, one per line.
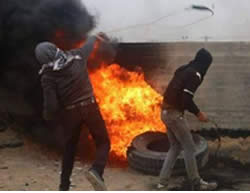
column 138, row 20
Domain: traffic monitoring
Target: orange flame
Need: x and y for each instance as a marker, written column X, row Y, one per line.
column 128, row 104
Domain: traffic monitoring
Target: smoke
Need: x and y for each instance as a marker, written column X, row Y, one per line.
column 25, row 23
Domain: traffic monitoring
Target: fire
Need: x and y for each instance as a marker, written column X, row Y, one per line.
column 128, row 104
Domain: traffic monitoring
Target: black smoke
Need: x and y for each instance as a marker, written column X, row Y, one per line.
column 25, row 23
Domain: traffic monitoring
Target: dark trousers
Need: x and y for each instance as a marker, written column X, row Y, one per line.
column 72, row 121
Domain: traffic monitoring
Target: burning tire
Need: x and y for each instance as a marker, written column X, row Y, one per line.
column 148, row 151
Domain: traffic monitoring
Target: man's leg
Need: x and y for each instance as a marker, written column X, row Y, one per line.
column 185, row 138
column 72, row 129
column 97, row 129
column 170, row 160
column 168, row 118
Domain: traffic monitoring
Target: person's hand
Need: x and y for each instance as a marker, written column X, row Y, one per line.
column 102, row 37
column 202, row 117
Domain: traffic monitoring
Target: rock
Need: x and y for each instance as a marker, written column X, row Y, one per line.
column 57, row 164
column 3, row 125
column 10, row 139
column 79, row 168
column 13, row 144
column 4, row 168
column 42, row 168
column 242, row 187
column 2, row 129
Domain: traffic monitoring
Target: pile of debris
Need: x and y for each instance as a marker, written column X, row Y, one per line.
column 9, row 138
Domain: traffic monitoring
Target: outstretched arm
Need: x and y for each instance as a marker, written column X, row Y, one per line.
column 87, row 47
column 90, row 44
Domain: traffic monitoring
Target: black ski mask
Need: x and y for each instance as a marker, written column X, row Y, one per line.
column 202, row 62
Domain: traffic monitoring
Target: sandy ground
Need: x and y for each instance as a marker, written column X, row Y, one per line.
column 30, row 168
column 35, row 167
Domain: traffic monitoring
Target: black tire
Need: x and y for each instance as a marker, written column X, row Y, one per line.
column 149, row 150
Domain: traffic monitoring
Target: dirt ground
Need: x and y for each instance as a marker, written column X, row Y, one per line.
column 35, row 167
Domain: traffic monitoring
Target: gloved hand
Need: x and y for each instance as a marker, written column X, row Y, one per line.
column 202, row 117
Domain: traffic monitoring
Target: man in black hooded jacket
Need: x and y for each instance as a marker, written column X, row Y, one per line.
column 178, row 98
column 69, row 103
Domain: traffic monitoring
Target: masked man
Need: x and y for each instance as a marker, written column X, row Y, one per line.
column 178, row 98
column 68, row 94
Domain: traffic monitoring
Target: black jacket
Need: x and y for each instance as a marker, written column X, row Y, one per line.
column 69, row 85
column 186, row 80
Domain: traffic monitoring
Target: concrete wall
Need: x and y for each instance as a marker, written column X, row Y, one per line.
column 225, row 92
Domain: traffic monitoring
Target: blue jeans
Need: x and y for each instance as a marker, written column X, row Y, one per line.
column 180, row 138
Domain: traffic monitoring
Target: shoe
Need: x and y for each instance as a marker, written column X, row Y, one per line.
column 160, row 186
column 96, row 180
column 63, row 188
column 205, row 186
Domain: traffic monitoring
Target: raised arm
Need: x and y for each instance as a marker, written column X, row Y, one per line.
column 89, row 45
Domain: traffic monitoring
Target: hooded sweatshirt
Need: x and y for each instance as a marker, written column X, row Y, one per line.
column 64, row 75
column 186, row 80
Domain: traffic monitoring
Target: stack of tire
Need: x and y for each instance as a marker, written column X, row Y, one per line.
column 149, row 150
